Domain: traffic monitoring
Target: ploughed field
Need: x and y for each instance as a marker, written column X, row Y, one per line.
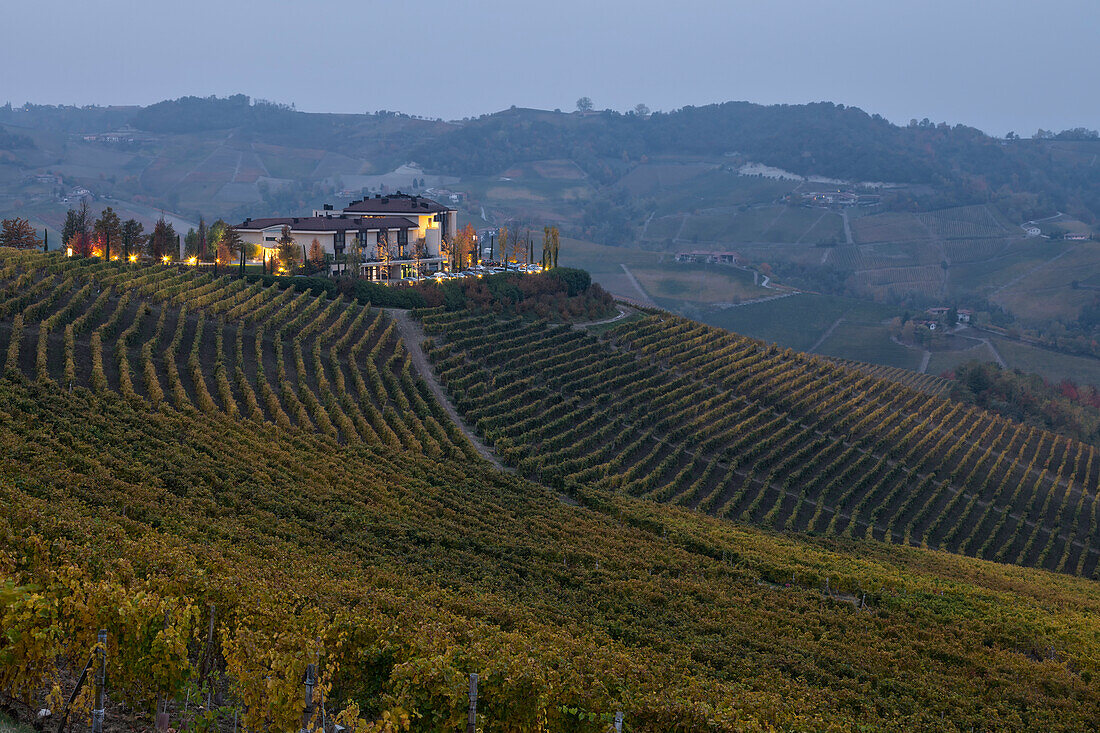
column 670, row 410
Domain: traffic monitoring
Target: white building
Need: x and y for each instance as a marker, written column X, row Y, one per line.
column 383, row 235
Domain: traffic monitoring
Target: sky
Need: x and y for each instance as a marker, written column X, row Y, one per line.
column 1009, row 65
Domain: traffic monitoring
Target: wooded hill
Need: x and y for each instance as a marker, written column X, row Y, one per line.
column 281, row 462
column 961, row 164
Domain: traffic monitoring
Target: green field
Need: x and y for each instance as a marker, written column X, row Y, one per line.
column 797, row 321
column 1052, row 365
column 946, row 361
column 605, row 263
column 870, row 343
column 699, row 283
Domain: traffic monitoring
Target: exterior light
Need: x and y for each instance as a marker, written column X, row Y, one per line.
column 191, row 260
column 133, row 258
column 166, row 259
column 68, row 251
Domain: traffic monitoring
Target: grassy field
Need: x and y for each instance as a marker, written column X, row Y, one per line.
column 1052, row 365
column 869, row 342
column 946, row 361
column 699, row 283
column 797, row 321
column 889, row 227
column 1045, row 292
column 605, row 263
column 720, row 188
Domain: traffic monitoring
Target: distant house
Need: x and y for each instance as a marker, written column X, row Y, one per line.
column 1033, row 231
column 47, row 178
column 709, row 258
column 841, row 199
column 1076, row 237
column 962, row 315
column 930, row 325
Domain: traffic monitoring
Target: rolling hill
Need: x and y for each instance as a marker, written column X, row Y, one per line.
column 185, row 452
column 678, row 412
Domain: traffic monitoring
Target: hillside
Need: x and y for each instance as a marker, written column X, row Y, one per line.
column 273, row 454
column 670, row 410
column 941, row 224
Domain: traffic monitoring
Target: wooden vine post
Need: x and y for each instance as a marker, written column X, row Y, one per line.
column 162, row 720
column 100, row 683
column 309, row 682
column 471, row 718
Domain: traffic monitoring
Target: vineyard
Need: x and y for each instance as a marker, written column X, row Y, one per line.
column 960, row 251
column 927, row 280
column 927, row 383
column 676, row 412
column 249, row 487
column 218, row 345
column 964, row 222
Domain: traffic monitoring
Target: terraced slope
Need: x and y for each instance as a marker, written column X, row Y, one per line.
column 670, row 410
column 217, row 345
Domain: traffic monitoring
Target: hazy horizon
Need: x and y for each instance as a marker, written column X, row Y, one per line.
column 1002, row 66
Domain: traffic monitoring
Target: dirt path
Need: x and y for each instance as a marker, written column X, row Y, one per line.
column 624, row 311
column 756, row 301
column 925, row 358
column 811, row 228
column 413, row 336
column 676, row 237
column 1033, row 270
column 637, row 286
column 827, row 334
column 996, row 354
column 847, row 227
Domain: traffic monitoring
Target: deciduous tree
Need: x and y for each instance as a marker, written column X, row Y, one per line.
column 108, row 232
column 228, row 241
column 18, row 233
column 77, row 221
column 466, row 246
column 316, row 254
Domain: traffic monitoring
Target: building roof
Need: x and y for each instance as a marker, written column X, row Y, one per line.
column 397, row 203
column 328, row 223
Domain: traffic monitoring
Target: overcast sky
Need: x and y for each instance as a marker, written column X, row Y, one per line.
column 998, row 65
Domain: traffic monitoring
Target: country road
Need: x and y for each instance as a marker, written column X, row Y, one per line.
column 413, row 337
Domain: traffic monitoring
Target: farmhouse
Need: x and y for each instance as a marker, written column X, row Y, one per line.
column 386, row 237
column 709, row 258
